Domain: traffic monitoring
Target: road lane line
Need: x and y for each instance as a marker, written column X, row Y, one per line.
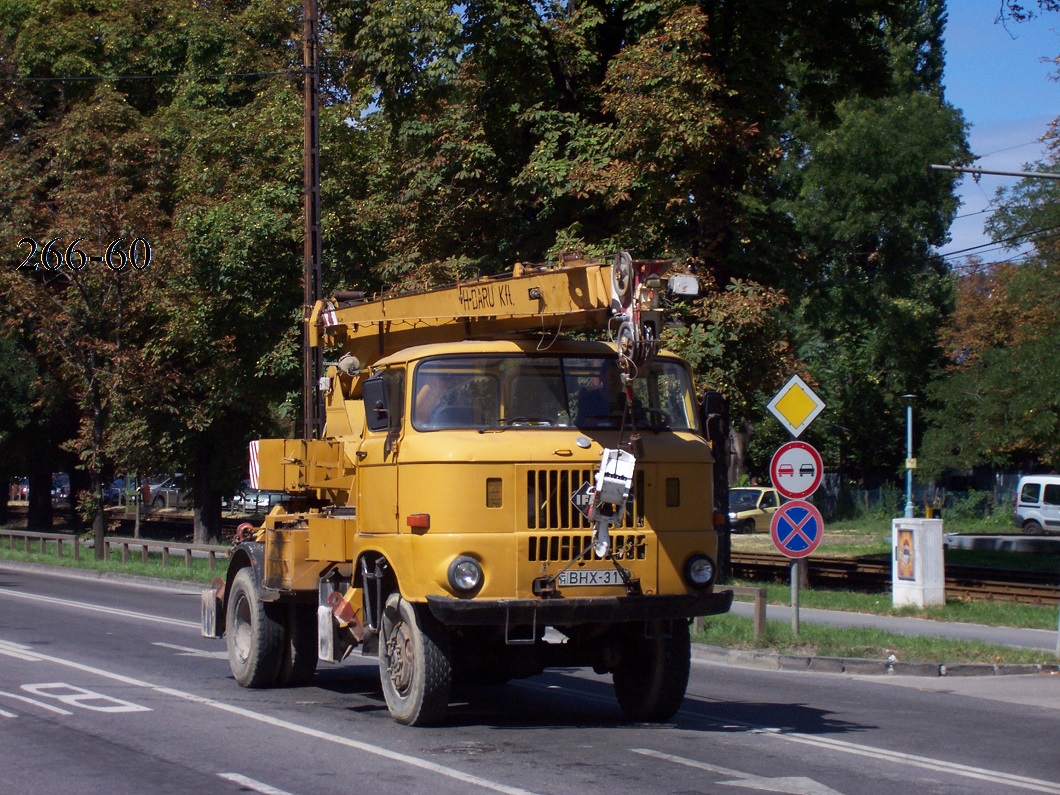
column 927, row 763
column 251, row 784
column 793, row 785
column 99, row 609
column 34, row 702
column 188, row 651
column 6, row 648
column 899, row 757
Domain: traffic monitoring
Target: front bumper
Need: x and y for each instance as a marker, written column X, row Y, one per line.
column 589, row 610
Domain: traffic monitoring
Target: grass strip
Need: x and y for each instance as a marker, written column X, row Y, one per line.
column 199, row 571
column 736, row 632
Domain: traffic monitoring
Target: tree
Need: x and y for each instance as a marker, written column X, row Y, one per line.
column 178, row 125
column 869, row 292
column 87, row 192
column 997, row 401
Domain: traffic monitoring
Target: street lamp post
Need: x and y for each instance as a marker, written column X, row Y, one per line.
column 908, row 455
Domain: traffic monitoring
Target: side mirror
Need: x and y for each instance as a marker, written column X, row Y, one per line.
column 376, row 404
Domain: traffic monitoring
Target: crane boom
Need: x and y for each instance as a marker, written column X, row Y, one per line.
column 574, row 296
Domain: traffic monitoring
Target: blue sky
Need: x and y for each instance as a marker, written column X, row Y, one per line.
column 1001, row 80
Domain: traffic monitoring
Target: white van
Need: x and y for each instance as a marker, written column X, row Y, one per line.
column 1038, row 504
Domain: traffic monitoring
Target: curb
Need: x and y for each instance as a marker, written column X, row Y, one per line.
column 768, row 661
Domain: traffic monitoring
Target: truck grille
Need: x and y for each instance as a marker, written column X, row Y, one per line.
column 564, row 548
column 548, row 505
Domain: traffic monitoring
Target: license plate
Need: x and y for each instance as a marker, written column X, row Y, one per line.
column 582, row 577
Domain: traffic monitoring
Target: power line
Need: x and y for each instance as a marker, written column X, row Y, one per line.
column 1001, row 243
column 1008, row 149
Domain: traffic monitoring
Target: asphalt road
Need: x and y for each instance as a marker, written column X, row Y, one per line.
column 108, row 687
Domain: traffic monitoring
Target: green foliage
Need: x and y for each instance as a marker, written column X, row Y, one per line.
column 998, row 402
column 868, row 213
column 735, row 344
column 779, row 149
column 186, row 133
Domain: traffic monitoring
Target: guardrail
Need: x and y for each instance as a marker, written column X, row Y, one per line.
column 31, row 539
column 759, row 595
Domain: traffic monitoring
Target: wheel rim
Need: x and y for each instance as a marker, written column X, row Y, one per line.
column 400, row 658
column 241, row 640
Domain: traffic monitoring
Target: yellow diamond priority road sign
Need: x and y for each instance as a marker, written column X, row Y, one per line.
column 796, row 406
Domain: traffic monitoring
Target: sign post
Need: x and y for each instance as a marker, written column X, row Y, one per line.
column 796, row 471
column 796, row 530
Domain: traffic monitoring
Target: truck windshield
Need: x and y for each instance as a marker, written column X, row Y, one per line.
column 493, row 391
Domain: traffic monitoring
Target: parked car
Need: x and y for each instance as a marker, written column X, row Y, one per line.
column 114, row 492
column 60, row 486
column 257, row 500
column 1038, row 504
column 752, row 507
column 166, row 492
column 120, row 491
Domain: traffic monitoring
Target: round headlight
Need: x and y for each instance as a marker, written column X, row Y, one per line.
column 700, row 571
column 465, row 574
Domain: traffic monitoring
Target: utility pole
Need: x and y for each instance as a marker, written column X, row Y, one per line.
column 909, row 461
column 312, row 358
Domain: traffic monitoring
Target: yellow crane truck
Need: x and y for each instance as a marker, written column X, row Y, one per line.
column 489, row 497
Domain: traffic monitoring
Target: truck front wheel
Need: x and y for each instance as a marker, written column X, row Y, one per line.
column 414, row 663
column 255, row 633
column 652, row 675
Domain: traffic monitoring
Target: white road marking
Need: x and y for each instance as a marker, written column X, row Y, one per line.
column 41, row 704
column 1003, row 780
column 74, row 696
column 967, row 771
column 52, row 600
column 187, row 651
column 7, row 649
column 793, row 785
column 251, row 784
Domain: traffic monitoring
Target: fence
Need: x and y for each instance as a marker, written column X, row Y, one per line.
column 31, row 540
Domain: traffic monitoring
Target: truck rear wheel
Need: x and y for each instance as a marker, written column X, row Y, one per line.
column 651, row 678
column 414, row 664
column 255, row 633
column 300, row 646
